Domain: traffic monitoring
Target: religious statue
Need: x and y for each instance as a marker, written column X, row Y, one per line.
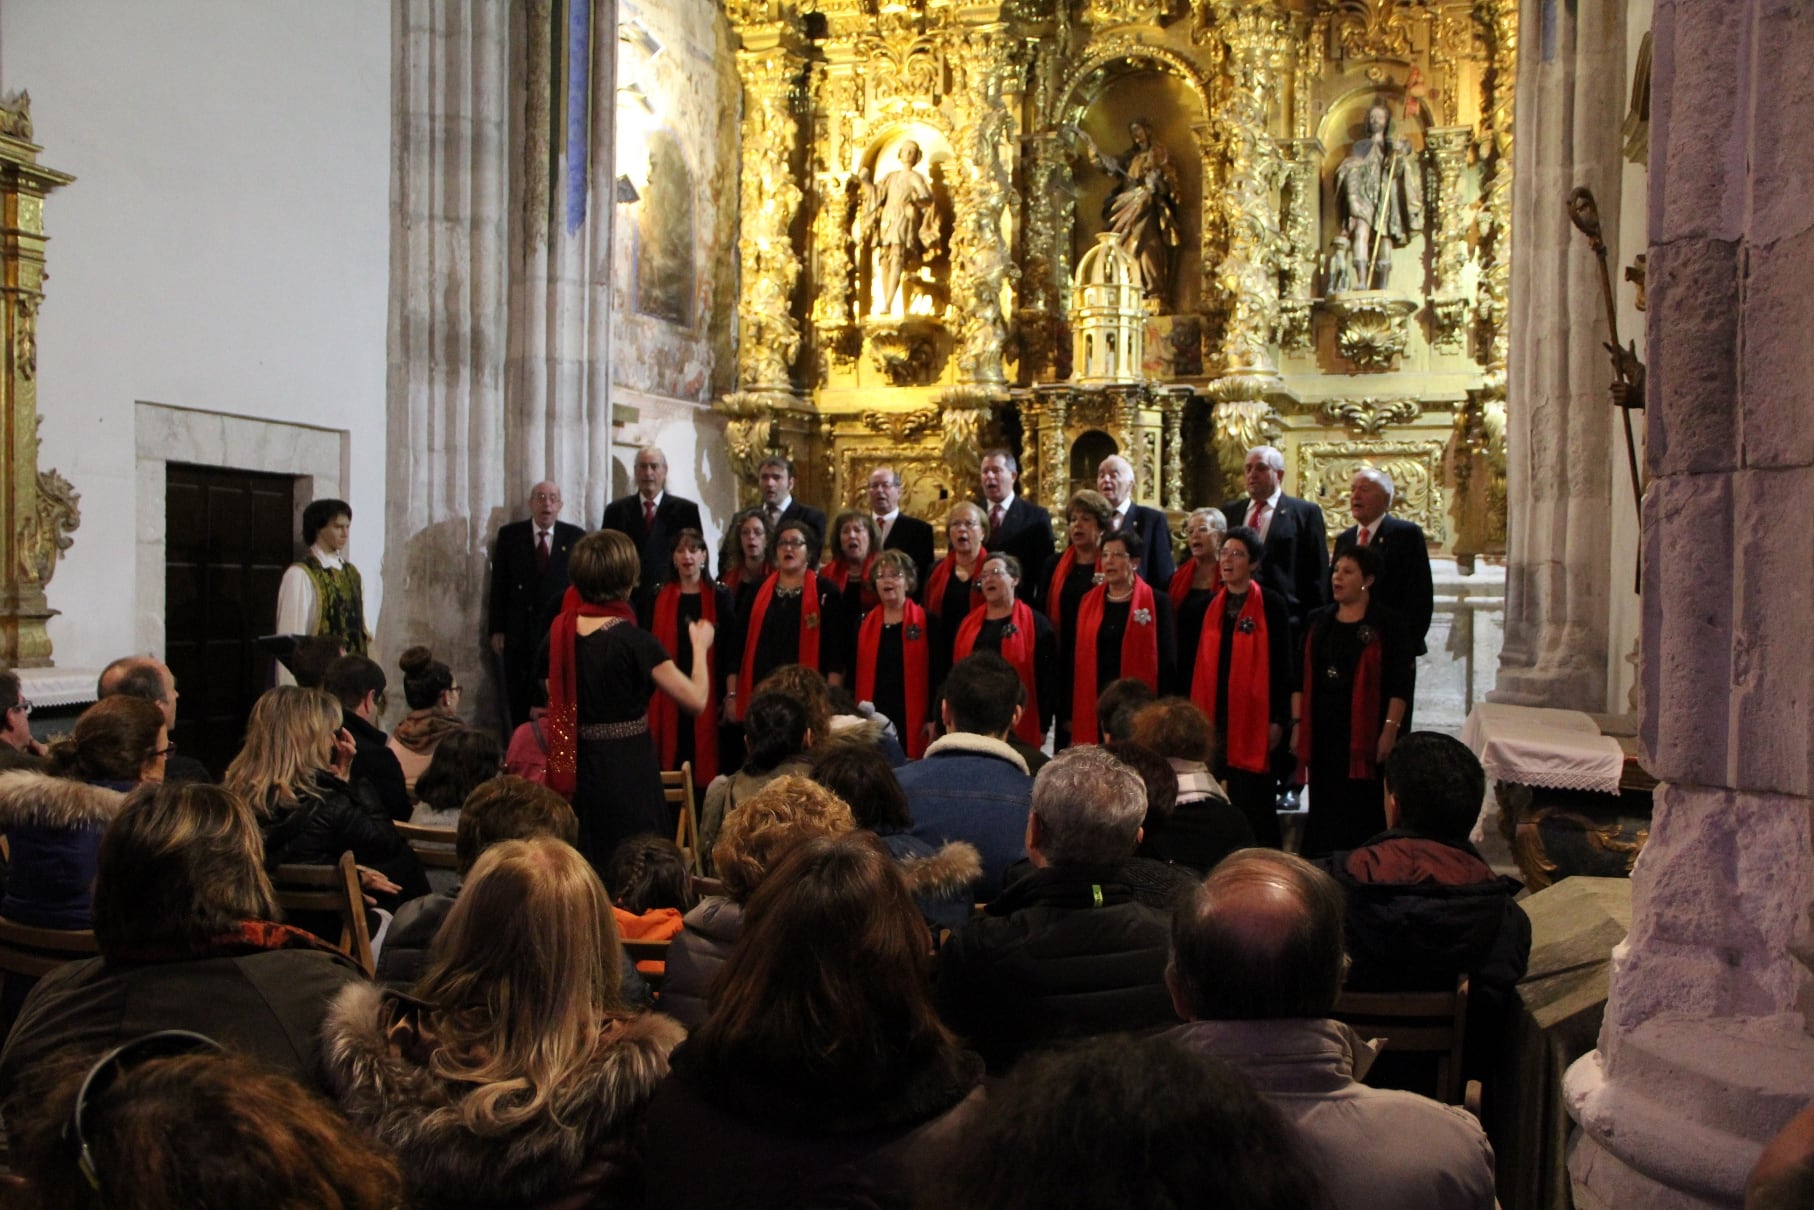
column 1143, row 207
column 1338, row 277
column 1379, row 198
column 900, row 226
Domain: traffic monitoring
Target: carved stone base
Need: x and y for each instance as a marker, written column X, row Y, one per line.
column 905, row 351
column 1371, row 327
column 1449, row 324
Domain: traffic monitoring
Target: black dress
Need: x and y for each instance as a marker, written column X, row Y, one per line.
column 891, row 678
column 1113, row 629
column 1346, row 812
column 1076, row 586
column 779, row 642
column 617, row 792
column 1190, row 628
column 1256, row 794
column 724, row 644
column 1044, row 690
column 949, row 612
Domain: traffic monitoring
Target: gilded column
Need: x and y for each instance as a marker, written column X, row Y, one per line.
column 1448, row 150
column 769, row 337
column 1054, row 483
column 1499, row 20
column 1173, row 401
column 37, row 508
column 981, row 259
column 1302, row 194
column 833, row 209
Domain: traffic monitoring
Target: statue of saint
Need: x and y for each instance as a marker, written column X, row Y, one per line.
column 1379, row 198
column 900, row 226
column 1143, row 207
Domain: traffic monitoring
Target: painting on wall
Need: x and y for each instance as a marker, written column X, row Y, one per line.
column 664, row 235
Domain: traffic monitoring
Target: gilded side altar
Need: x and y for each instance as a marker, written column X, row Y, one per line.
column 1314, row 197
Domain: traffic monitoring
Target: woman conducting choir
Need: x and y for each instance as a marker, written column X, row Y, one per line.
column 951, row 589
column 1005, row 624
column 1195, row 585
column 1075, row 574
column 688, row 596
column 1243, row 682
column 1358, row 674
column 796, row 617
column 1124, row 629
column 894, row 653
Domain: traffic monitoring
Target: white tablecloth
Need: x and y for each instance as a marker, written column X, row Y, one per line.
column 1537, row 746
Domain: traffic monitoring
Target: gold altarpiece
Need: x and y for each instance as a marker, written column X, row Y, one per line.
column 974, row 152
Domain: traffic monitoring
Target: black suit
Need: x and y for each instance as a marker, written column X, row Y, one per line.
column 654, row 543
column 525, row 599
column 1025, row 533
column 1296, row 564
column 1404, row 585
column 1157, row 564
column 913, row 538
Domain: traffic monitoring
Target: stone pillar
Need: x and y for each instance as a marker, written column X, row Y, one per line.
column 1560, row 456
column 1705, row 1050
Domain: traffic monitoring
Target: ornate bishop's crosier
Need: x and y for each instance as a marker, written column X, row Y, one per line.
column 38, row 507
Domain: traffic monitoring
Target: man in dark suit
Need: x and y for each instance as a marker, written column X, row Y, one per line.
column 651, row 517
column 1115, row 480
column 909, row 535
column 1016, row 526
column 528, row 576
column 1296, row 565
column 775, row 481
column 1404, row 585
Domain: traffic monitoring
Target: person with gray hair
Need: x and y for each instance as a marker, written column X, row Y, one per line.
column 1404, row 585
column 1296, row 562
column 1256, row 965
column 1067, row 951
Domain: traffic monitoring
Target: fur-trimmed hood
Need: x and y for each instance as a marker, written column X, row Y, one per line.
column 371, row 1049
column 946, row 874
column 29, row 799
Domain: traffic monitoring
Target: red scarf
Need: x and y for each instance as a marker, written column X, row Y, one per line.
column 941, row 576
column 1016, row 648
column 1181, row 581
column 1249, row 679
column 1363, row 706
column 1055, row 590
column 664, row 711
column 839, row 574
column 808, row 653
column 733, row 577
column 916, row 658
column 563, row 686
column 1139, row 653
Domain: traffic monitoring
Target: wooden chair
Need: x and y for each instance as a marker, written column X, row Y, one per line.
column 35, row 952
column 1431, row 1023
column 433, row 847
column 677, row 788
column 648, row 951
column 329, row 888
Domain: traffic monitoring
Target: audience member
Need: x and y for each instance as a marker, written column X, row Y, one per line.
column 527, row 754
column 756, row 836
column 1203, row 827
column 462, row 763
column 186, row 924
column 1115, row 480
column 322, row 593
column 651, row 892
column 512, row 1075
column 1065, row 952
column 1256, row 966
column 171, row 1120
column 140, row 677
column 15, row 725
column 1116, row 706
column 1017, row 526
column 651, row 516
column 1119, row 1122
column 528, row 577
column 971, row 785
column 778, row 731
column 1154, row 882
column 357, row 682
column 823, row 1073
column 433, row 697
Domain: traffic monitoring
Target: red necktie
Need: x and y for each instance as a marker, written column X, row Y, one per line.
column 995, row 515
column 648, row 514
column 541, row 550
column 1363, row 535
column 1256, row 514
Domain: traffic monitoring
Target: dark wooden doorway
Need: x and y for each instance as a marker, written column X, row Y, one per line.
column 227, row 543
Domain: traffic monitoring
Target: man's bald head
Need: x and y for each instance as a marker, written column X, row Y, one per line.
column 141, row 677
column 1261, row 938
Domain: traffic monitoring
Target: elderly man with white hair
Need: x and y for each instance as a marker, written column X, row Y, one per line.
column 1296, row 562
column 1115, row 480
column 1404, row 585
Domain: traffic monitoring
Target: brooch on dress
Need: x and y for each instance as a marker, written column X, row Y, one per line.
column 1245, row 626
column 913, row 633
column 1367, row 635
column 1143, row 617
column 811, row 621
column 1098, row 578
column 1009, row 631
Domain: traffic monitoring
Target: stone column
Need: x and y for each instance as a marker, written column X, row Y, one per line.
column 1560, row 457
column 1705, row 1050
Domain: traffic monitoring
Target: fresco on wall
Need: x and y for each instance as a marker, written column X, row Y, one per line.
column 664, row 235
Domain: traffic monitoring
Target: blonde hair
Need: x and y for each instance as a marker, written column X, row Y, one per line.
column 523, row 980
column 769, row 823
column 289, row 740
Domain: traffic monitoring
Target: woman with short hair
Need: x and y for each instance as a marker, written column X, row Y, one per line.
column 894, row 652
column 1075, row 574
column 1007, row 625
column 690, row 594
column 1194, row 585
column 856, row 542
column 511, row 1075
column 952, row 589
column 1124, row 629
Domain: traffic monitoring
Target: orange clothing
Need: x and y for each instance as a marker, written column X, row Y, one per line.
column 659, row 924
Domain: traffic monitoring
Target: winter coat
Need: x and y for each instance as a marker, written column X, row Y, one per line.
column 578, row 1152
column 1200, row 831
column 697, row 955
column 944, row 880
column 723, row 795
column 53, row 826
column 316, row 829
column 973, row 788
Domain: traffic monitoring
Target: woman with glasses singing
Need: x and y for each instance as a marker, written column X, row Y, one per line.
column 796, row 617
column 952, row 590
column 1124, row 629
column 1005, row 624
column 894, row 653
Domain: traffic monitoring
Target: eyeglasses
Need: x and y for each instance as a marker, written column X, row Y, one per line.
column 993, row 573
column 164, row 1044
column 791, row 544
column 166, row 750
column 24, row 706
column 890, row 573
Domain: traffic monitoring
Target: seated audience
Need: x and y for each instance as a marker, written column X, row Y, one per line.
column 1067, row 951
column 1202, row 827
column 526, row 755
column 1134, row 1123
column 172, row 1120
column 357, row 683
column 19, row 749
column 651, row 892
column 971, row 785
column 777, row 731
column 940, row 879
column 1256, row 967
column 141, row 677
column 53, row 819
column 432, row 694
column 462, row 763
column 1116, row 707
column 1154, row 882
column 833, row 711
column 293, row 769
column 186, row 924
column 512, row 1075
column 756, row 836
column 823, row 1075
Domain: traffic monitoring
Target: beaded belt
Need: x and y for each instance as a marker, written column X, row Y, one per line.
column 629, row 730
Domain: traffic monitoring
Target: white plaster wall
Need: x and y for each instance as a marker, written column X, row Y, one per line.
column 225, row 247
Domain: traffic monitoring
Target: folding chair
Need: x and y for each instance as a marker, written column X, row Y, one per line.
column 1431, row 1023
column 329, row 888
column 677, row 788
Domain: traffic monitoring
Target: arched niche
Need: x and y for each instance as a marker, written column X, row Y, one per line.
column 1088, row 449
column 1342, row 124
column 880, row 156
